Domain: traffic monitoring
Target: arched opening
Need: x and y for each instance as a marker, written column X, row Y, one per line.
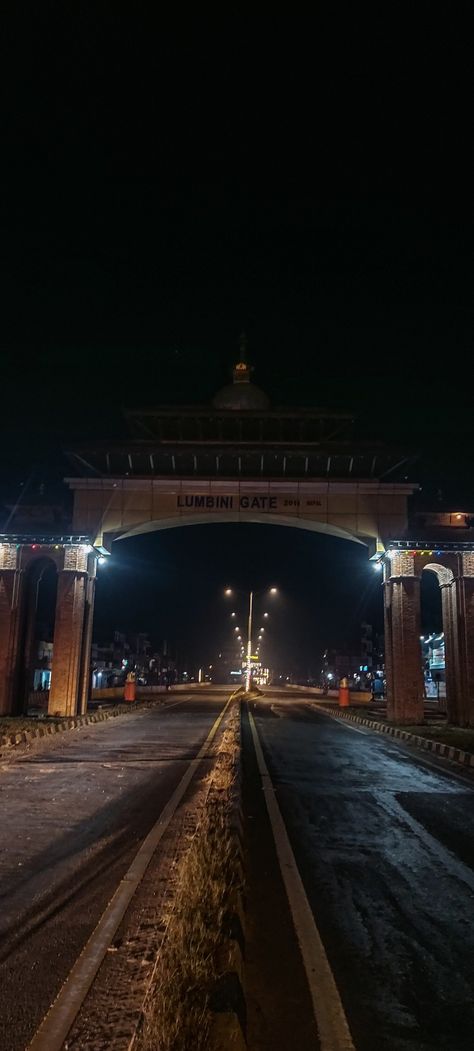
column 35, row 651
column 435, row 631
column 244, row 517
column 169, row 582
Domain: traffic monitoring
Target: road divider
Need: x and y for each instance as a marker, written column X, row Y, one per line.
column 197, row 995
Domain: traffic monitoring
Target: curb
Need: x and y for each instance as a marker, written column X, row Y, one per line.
column 68, row 723
column 456, row 755
column 228, row 1028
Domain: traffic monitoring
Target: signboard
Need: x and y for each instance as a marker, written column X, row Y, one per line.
column 243, row 502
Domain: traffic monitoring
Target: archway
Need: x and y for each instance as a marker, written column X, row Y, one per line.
column 252, row 517
column 437, row 642
column 37, row 621
column 331, row 570
column 403, row 569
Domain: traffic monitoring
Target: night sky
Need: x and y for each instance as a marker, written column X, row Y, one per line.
column 304, row 179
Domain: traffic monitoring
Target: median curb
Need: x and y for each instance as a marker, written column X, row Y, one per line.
column 47, row 729
column 228, row 1029
column 456, row 755
column 205, row 990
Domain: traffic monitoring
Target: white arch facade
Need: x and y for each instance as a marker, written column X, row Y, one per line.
column 244, row 516
column 365, row 512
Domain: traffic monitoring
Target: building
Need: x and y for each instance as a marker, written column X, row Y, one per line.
column 434, row 668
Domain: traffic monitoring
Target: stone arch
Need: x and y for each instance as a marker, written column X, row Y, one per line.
column 35, row 570
column 253, row 517
column 23, row 562
column 445, row 577
column 444, row 573
column 402, row 578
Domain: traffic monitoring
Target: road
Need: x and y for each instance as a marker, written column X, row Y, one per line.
column 384, row 843
column 73, row 814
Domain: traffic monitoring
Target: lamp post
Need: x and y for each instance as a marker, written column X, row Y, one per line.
column 248, row 670
column 249, row 645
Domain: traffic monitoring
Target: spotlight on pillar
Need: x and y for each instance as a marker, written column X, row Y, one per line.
column 102, row 560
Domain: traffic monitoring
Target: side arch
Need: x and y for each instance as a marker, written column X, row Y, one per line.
column 445, row 578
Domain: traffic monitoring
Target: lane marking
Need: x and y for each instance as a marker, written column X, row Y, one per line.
column 444, row 856
column 173, row 705
column 56, row 1024
column 331, row 1022
column 364, row 733
column 356, row 729
column 440, row 763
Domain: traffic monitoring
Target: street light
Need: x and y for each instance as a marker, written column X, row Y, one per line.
column 248, row 674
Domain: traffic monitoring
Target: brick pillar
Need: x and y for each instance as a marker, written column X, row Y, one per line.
column 464, row 586
column 85, row 683
column 388, row 635
column 448, row 602
column 405, row 700
column 10, row 593
column 68, row 633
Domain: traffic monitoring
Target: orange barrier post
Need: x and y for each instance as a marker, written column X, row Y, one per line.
column 130, row 687
column 344, row 699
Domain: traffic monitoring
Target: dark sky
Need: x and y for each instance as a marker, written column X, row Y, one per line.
column 309, row 180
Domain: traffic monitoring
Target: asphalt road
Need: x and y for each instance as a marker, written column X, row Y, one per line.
column 384, row 842
column 73, row 815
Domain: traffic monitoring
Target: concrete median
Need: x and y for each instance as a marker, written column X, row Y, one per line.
column 198, row 997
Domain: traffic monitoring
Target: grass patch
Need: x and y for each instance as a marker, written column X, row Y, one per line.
column 455, row 736
column 178, row 1015
column 17, row 724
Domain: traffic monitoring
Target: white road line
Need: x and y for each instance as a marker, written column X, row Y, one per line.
column 173, row 705
column 440, row 763
column 341, row 722
column 333, row 1029
column 57, row 1022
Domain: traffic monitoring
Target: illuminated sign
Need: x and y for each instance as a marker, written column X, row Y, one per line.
column 244, row 502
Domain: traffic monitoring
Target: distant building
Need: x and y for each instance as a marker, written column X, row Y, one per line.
column 42, row 672
column 434, row 668
column 111, row 661
column 227, row 665
column 362, row 667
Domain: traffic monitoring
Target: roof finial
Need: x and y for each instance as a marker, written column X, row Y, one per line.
column 241, row 371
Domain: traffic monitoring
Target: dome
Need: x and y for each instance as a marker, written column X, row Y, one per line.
column 241, row 395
